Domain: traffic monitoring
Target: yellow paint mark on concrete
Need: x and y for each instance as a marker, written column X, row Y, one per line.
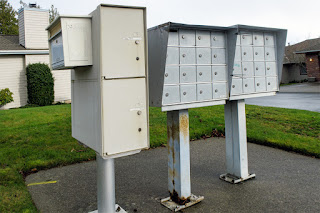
column 41, row 183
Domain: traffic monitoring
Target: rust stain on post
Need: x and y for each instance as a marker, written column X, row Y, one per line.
column 179, row 200
column 184, row 127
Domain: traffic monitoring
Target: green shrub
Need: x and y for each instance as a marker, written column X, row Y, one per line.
column 5, row 96
column 40, row 84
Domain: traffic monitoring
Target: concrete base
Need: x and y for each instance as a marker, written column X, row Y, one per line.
column 167, row 202
column 118, row 209
column 234, row 179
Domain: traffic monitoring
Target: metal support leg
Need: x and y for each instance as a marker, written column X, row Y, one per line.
column 179, row 184
column 236, row 142
column 106, row 187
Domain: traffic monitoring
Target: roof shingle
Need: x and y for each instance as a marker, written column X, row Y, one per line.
column 10, row 42
column 290, row 55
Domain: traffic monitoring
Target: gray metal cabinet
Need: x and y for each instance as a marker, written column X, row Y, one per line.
column 187, row 37
column 188, row 74
column 171, row 75
column 188, row 92
column 187, row 55
column 204, row 74
column 219, row 73
column 171, row 95
column 203, row 55
column 204, row 92
column 218, row 39
column 218, row 56
column 203, row 38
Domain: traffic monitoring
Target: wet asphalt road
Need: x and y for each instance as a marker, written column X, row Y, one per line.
column 285, row 182
column 304, row 101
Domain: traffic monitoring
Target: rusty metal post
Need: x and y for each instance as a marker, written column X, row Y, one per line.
column 236, row 142
column 179, row 184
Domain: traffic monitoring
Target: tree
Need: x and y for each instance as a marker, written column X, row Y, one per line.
column 53, row 13
column 8, row 20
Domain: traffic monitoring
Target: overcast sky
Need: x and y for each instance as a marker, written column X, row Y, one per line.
column 300, row 17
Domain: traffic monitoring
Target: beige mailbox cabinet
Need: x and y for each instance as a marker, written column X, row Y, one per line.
column 109, row 80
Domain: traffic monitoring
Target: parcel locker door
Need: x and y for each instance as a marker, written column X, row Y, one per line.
column 122, row 42
column 124, row 113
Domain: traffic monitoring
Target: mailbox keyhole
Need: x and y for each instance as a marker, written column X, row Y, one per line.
column 139, row 129
column 137, row 58
column 267, row 53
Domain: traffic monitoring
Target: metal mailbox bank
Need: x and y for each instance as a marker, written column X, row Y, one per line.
column 195, row 66
column 108, row 52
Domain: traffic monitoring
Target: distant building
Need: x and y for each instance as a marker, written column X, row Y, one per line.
column 31, row 46
column 301, row 61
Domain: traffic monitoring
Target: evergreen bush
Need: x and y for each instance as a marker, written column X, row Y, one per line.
column 40, row 84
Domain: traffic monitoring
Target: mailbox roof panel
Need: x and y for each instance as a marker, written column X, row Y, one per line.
column 57, row 20
column 255, row 28
column 174, row 26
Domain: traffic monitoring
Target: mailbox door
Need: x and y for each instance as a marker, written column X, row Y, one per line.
column 218, row 39
column 203, row 73
column 203, row 55
column 218, row 56
column 123, row 42
column 173, row 39
column 124, row 112
column 171, row 75
column 188, row 92
column 204, row 92
column 247, row 54
column 271, row 69
column 246, row 38
column 219, row 73
column 236, row 86
column 270, row 54
column 219, row 90
column 171, row 94
column 187, row 55
column 57, row 56
column 172, row 55
column 187, row 37
column 259, row 69
column 260, row 84
column 203, row 38
column 258, row 39
column 247, row 69
column 248, row 85
column 272, row 84
column 258, row 53
column 188, row 74
column 269, row 39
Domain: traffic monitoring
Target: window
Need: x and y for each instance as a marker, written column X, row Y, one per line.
column 303, row 69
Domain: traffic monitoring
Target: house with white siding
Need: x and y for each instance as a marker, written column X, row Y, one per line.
column 31, row 46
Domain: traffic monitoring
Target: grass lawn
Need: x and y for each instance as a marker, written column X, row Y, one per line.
column 37, row 138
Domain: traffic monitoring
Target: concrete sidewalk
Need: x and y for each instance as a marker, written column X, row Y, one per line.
column 285, row 182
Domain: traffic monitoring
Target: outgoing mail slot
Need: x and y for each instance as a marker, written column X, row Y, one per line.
column 203, row 55
column 218, row 39
column 247, row 69
column 187, row 37
column 259, row 69
column 203, row 38
column 248, row 85
column 258, row 39
column 171, row 75
column 70, row 42
column 219, row 73
column 188, row 92
column 218, row 56
column 187, row 56
column 203, row 73
column 204, row 92
column 188, row 74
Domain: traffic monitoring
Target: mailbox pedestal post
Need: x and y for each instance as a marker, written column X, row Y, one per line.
column 179, row 184
column 106, row 187
column 236, row 142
